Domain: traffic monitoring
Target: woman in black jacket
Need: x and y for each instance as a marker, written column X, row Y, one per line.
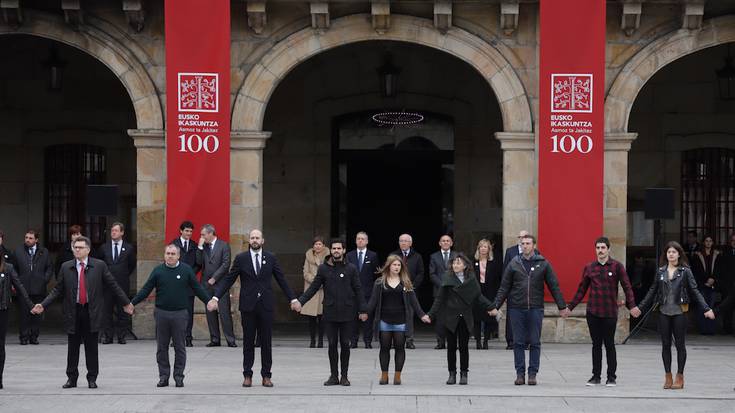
column 8, row 278
column 453, row 307
column 673, row 289
column 393, row 302
column 489, row 270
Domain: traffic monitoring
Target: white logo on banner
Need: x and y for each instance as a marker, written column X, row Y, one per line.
column 571, row 93
column 198, row 92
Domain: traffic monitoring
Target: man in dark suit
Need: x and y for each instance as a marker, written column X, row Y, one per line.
column 188, row 250
column 343, row 299
column 81, row 285
column 6, row 252
column 438, row 264
column 415, row 266
column 67, row 253
column 34, row 270
column 256, row 269
column 692, row 245
column 119, row 255
column 367, row 264
column 213, row 257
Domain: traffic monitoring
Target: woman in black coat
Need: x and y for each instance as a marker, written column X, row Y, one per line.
column 673, row 289
column 392, row 303
column 453, row 307
column 489, row 270
column 8, row 278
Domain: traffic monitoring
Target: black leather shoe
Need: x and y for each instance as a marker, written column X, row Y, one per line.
column 92, row 384
column 107, row 340
column 463, row 377
column 231, row 344
column 452, row 378
column 162, row 383
column 332, row 381
column 439, row 346
column 368, row 345
column 353, row 344
column 179, row 382
column 23, row 341
column 344, row 381
column 410, row 345
column 69, row 384
column 212, row 344
column 189, row 342
column 509, row 347
column 121, row 341
column 33, row 340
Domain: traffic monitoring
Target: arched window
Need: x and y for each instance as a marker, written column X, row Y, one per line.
column 708, row 193
column 69, row 169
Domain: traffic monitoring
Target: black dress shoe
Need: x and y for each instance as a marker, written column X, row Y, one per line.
column 353, row 345
column 212, row 344
column 162, row 383
column 332, row 381
column 410, row 345
column 452, row 378
column 344, row 381
column 463, row 377
column 107, row 340
column 189, row 342
column 23, row 341
column 179, row 382
column 33, row 340
column 69, row 384
column 231, row 344
column 92, row 384
column 1, row 385
column 368, row 345
column 439, row 347
column 121, row 341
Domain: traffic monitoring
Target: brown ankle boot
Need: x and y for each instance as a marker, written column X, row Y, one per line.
column 397, row 378
column 679, row 382
column 668, row 381
column 383, row 377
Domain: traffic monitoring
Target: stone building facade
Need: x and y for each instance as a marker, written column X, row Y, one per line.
column 299, row 67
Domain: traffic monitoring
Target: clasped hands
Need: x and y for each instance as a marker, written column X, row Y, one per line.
column 128, row 308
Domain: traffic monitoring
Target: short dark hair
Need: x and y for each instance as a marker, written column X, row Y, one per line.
column 34, row 233
column 529, row 236
column 692, row 232
column 336, row 241
column 74, row 229
column 186, row 224
column 84, row 240
column 118, row 224
column 602, row 240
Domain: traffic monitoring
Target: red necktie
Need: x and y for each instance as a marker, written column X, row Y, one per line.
column 82, row 285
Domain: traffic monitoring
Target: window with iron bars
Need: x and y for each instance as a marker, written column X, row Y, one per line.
column 708, row 193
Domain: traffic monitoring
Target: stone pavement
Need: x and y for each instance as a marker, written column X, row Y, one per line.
column 34, row 374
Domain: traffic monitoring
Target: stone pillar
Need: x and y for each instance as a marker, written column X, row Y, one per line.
column 246, row 184
column 150, row 216
column 520, row 188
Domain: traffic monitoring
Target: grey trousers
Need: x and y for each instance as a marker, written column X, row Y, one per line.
column 171, row 325
column 223, row 315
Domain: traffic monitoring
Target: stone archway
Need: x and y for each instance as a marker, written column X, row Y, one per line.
column 266, row 73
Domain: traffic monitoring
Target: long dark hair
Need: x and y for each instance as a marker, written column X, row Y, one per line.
column 682, row 262
column 468, row 271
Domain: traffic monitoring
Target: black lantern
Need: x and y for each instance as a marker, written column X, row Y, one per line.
column 55, row 67
column 726, row 79
column 388, row 74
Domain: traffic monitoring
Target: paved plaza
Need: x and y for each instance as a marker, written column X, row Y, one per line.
column 34, row 375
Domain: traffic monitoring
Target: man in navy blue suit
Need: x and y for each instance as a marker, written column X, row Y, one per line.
column 367, row 264
column 257, row 269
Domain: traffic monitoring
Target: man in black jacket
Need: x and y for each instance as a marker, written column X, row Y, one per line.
column 257, row 269
column 34, row 270
column 367, row 264
column 81, row 285
column 188, row 250
column 343, row 299
column 119, row 255
column 523, row 282
column 414, row 263
column 439, row 262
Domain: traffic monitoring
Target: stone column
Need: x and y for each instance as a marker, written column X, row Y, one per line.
column 150, row 216
column 520, row 188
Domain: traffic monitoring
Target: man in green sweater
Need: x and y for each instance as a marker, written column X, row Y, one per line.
column 173, row 281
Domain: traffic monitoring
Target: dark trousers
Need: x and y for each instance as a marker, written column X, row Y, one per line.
column 116, row 320
column 727, row 306
column 339, row 331
column 508, row 329
column 82, row 335
column 367, row 330
column 526, row 330
column 260, row 322
column 190, row 320
column 459, row 338
column 3, row 331
column 602, row 331
column 397, row 340
column 221, row 314
column 316, row 328
column 675, row 326
column 171, row 325
column 29, row 325
column 439, row 330
column 706, row 326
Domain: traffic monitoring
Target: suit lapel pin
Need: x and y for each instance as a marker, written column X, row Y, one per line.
column 122, row 249
column 2, row 275
column 263, row 262
column 178, row 277
column 341, row 275
column 609, row 274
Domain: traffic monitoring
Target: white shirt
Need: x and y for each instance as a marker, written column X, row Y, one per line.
column 76, row 263
column 183, row 241
column 260, row 257
column 119, row 247
column 33, row 249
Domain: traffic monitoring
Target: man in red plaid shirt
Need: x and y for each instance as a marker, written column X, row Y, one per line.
column 602, row 277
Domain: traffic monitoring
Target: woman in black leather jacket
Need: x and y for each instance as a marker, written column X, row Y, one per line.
column 673, row 289
column 8, row 278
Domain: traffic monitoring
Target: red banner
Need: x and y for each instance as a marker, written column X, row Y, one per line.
column 571, row 135
column 198, row 114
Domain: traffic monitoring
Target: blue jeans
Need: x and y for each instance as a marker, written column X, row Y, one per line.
column 526, row 325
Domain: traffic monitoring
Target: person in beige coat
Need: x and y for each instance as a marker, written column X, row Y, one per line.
column 313, row 308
